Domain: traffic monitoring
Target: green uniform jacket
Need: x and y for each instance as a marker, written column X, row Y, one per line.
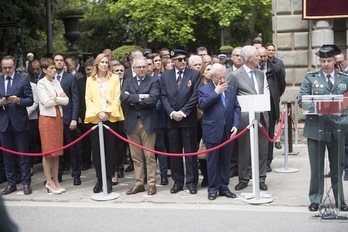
column 323, row 127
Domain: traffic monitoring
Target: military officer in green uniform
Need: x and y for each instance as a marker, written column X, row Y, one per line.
column 322, row 131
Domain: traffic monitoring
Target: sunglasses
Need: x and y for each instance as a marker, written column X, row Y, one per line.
column 181, row 59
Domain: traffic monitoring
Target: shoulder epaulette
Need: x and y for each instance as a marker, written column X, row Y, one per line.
column 313, row 71
column 342, row 73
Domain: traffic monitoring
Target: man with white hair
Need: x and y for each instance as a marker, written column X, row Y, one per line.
column 195, row 62
column 248, row 80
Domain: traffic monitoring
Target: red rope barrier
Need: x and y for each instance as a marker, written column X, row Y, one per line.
column 178, row 154
column 49, row 152
column 280, row 129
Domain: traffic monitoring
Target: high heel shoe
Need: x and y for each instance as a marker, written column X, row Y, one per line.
column 62, row 190
column 54, row 191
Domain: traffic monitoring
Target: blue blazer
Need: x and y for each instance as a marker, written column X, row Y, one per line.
column 185, row 98
column 71, row 89
column 145, row 109
column 16, row 113
column 217, row 119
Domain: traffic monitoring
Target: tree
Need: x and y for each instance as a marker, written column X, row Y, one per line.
column 176, row 22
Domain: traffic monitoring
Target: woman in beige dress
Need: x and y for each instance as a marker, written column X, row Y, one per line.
column 51, row 99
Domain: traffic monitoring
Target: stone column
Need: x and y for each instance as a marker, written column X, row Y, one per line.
column 322, row 34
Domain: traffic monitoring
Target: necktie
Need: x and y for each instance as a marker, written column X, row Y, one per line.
column 9, row 85
column 329, row 83
column 222, row 97
column 252, row 76
column 58, row 78
column 178, row 81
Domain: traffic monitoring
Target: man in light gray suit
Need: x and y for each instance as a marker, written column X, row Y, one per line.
column 248, row 80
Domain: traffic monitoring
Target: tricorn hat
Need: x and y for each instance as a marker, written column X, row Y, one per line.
column 328, row 50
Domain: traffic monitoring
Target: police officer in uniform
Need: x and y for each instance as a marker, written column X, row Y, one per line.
column 321, row 130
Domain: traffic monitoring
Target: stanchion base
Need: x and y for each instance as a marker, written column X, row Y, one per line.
column 259, row 201
column 252, row 195
column 105, row 197
column 288, row 170
column 299, row 145
column 293, row 153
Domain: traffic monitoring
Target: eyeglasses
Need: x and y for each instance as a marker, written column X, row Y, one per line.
column 181, row 59
column 119, row 70
column 140, row 67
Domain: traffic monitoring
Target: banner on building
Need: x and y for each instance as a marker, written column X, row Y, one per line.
column 322, row 9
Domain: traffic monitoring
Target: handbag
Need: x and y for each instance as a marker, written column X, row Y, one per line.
column 202, row 147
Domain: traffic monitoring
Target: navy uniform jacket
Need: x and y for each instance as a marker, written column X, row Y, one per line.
column 315, row 83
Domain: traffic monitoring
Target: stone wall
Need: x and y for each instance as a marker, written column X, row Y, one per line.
column 297, row 40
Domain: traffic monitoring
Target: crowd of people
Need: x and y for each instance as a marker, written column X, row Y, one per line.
column 170, row 101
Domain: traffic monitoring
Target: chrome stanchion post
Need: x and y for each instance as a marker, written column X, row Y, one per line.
column 296, row 125
column 286, row 169
column 104, row 196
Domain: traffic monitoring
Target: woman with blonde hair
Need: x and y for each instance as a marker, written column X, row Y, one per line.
column 205, row 73
column 103, row 105
column 51, row 98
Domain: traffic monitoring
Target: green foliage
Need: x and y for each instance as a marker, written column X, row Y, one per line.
column 226, row 48
column 121, row 52
column 63, row 12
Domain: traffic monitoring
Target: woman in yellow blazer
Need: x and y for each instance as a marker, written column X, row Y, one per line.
column 103, row 104
column 51, row 98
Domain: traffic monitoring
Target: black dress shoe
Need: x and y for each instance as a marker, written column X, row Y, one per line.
column 228, row 194
column 176, row 188
column 204, row 182
column 313, row 207
column 240, row 186
column 9, row 189
column 98, row 186
column 27, row 190
column 269, row 169
column 164, row 180
column 130, row 168
column 343, row 207
column 120, row 173
column 263, row 186
column 77, row 181
column 212, row 196
column 193, row 190
column 277, row 145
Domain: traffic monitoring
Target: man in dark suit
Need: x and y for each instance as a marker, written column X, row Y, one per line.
column 139, row 95
column 221, row 117
column 322, row 131
column 70, row 117
column 276, row 84
column 179, row 92
column 37, row 73
column 250, row 81
column 16, row 95
column 86, row 147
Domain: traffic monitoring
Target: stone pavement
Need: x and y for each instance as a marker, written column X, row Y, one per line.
column 287, row 189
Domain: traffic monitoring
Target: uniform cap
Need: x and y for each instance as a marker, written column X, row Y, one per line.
column 177, row 52
column 328, row 50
